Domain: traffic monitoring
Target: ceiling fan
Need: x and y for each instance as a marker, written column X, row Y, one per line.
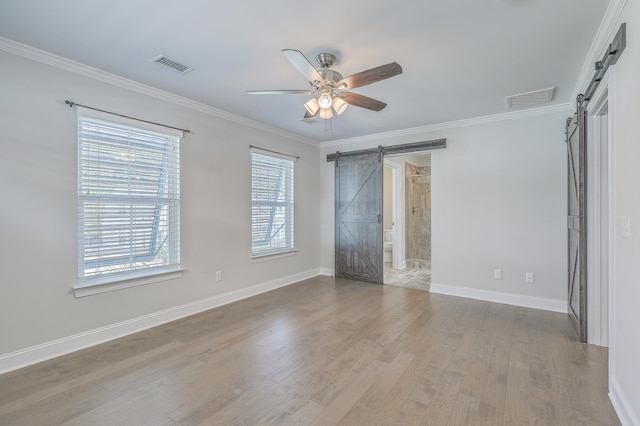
column 329, row 85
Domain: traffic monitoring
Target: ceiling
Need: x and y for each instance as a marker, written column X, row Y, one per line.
column 460, row 58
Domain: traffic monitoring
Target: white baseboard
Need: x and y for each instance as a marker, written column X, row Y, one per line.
column 498, row 297
column 621, row 404
column 329, row 272
column 32, row 355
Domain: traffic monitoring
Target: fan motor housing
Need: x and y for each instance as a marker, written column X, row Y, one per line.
column 326, row 60
column 330, row 77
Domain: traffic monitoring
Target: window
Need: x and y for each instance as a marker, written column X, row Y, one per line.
column 271, row 203
column 128, row 202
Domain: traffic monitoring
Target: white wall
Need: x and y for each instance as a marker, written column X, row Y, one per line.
column 38, row 264
column 624, row 338
column 498, row 201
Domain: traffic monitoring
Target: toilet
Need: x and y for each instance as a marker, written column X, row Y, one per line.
column 388, row 245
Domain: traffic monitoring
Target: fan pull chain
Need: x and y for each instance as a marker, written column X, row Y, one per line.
column 328, row 127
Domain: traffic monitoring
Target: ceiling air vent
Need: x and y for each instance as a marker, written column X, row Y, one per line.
column 170, row 63
column 530, row 99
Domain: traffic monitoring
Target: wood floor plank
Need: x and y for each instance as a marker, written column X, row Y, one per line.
column 517, row 395
column 364, row 412
column 327, row 351
column 39, row 394
column 465, row 412
column 398, row 405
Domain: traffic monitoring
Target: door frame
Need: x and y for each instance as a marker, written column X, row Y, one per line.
column 398, row 208
column 600, row 211
column 381, row 151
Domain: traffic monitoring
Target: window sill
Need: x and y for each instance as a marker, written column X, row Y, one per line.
column 106, row 284
column 272, row 256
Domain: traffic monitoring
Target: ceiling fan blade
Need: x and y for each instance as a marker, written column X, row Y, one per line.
column 371, row 76
column 302, row 64
column 280, row 92
column 362, row 101
column 307, row 114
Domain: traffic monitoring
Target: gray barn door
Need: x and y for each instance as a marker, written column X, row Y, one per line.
column 358, row 227
column 576, row 222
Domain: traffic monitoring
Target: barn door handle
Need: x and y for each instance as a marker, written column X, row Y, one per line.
column 379, row 217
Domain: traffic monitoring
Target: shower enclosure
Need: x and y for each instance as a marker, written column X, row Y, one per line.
column 418, row 212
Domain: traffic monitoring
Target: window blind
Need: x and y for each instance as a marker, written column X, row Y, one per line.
column 128, row 199
column 272, row 204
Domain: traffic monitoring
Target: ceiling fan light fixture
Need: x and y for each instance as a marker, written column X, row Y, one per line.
column 339, row 105
column 325, row 101
column 312, row 106
column 328, row 85
column 326, row 113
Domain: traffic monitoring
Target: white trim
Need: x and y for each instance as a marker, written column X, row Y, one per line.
column 612, row 102
column 419, row 131
column 78, row 68
column 399, row 260
column 605, row 32
column 598, row 222
column 327, row 272
column 100, row 75
column 622, row 405
column 395, row 234
column 272, row 256
column 32, row 355
column 533, row 302
column 104, row 284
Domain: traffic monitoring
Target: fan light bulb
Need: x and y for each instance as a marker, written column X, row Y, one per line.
column 339, row 105
column 324, row 101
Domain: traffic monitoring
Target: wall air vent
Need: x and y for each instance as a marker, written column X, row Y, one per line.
column 530, row 99
column 170, row 63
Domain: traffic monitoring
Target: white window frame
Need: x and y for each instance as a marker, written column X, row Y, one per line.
column 139, row 271
column 272, row 235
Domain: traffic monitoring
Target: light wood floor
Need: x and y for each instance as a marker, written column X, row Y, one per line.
column 327, row 351
column 416, row 278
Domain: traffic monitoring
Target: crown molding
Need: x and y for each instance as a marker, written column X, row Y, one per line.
column 420, row 131
column 605, row 32
column 604, row 36
column 47, row 58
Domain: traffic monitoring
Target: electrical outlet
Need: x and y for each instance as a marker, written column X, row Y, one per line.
column 529, row 277
column 497, row 274
column 218, row 276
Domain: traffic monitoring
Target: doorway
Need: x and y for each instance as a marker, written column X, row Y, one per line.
column 359, row 232
column 407, row 234
column 600, row 228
